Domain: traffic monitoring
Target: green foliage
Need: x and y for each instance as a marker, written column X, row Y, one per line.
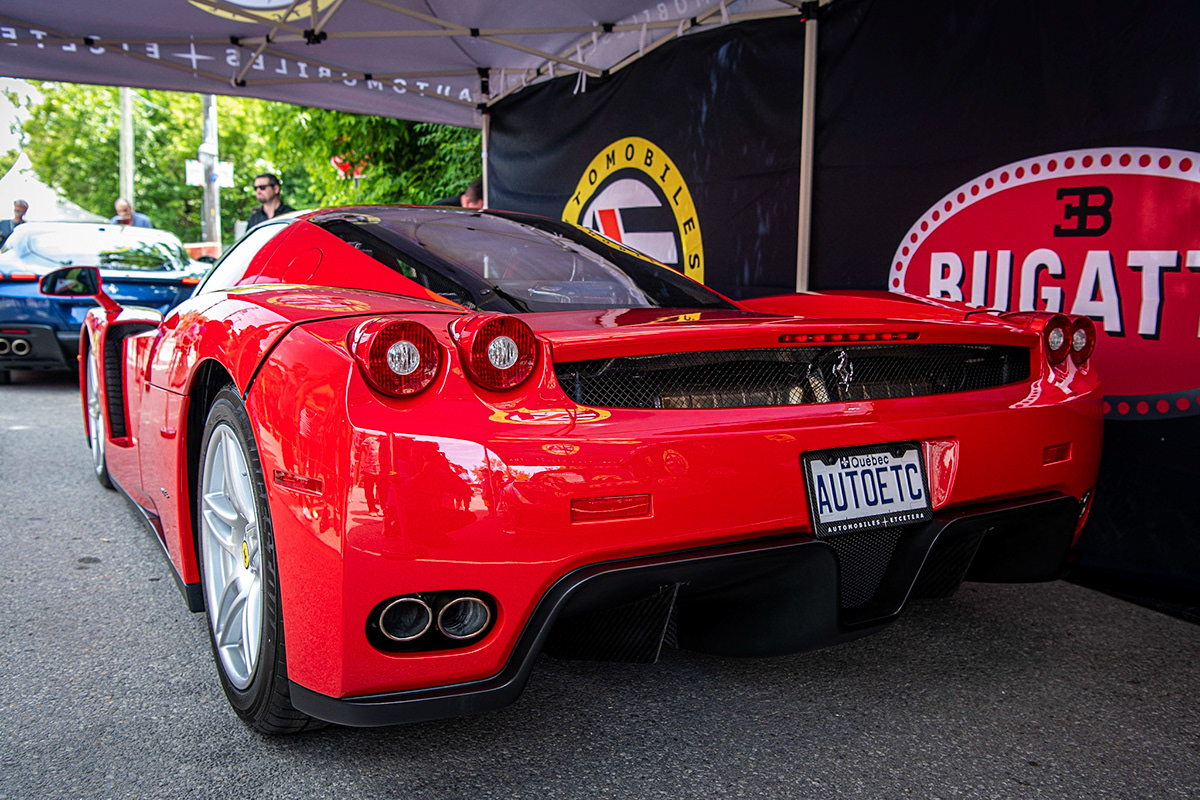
column 7, row 160
column 71, row 137
column 399, row 161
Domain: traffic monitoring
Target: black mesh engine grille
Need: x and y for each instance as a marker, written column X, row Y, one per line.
column 786, row 376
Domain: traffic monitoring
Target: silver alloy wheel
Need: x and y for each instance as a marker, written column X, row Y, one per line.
column 232, row 555
column 97, row 437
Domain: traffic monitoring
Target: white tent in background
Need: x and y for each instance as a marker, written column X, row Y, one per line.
column 45, row 203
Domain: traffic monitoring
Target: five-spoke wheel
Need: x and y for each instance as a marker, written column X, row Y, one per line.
column 238, row 572
column 232, row 555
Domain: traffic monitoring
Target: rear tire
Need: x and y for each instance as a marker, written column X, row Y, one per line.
column 239, row 574
column 97, row 428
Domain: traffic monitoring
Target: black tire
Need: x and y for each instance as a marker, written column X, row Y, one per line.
column 253, row 674
column 5, row 377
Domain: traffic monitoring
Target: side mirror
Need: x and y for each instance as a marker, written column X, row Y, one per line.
column 77, row 282
column 71, row 282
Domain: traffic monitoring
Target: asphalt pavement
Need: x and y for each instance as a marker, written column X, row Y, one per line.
column 108, row 688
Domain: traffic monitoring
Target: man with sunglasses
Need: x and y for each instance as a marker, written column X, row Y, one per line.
column 266, row 191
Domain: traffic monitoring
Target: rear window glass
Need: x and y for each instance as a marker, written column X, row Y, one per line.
column 531, row 263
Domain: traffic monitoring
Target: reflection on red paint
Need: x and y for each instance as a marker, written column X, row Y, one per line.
column 594, row 509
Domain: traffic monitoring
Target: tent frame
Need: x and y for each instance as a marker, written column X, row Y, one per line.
column 292, row 26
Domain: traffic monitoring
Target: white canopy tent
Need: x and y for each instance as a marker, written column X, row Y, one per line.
column 445, row 61
column 45, row 204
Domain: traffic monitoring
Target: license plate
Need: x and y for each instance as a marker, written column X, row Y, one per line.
column 865, row 488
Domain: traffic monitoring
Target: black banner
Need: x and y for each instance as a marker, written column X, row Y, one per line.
column 915, row 99
column 696, row 151
column 920, row 103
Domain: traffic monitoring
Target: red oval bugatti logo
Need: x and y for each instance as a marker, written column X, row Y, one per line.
column 1109, row 233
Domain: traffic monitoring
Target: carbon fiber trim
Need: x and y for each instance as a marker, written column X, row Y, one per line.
column 863, row 558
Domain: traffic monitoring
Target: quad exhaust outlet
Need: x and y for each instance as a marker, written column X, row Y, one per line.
column 16, row 347
column 405, row 619
column 464, row 618
column 430, row 621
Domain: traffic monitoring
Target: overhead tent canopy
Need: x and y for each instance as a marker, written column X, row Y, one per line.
column 443, row 61
column 440, row 61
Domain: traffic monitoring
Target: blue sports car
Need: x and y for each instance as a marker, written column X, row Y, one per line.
column 140, row 267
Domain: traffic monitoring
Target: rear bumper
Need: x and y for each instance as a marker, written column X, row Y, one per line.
column 762, row 598
column 37, row 347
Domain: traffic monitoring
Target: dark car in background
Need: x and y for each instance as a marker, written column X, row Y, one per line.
column 141, row 267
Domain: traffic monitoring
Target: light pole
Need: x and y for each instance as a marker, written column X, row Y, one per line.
column 125, row 146
column 211, row 209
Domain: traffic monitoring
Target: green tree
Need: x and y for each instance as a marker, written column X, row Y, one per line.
column 400, row 161
column 71, row 136
column 7, row 160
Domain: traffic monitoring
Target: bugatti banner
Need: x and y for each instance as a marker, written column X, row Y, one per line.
column 1037, row 156
column 1108, row 233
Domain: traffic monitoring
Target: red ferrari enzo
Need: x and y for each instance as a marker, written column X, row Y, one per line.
column 396, row 453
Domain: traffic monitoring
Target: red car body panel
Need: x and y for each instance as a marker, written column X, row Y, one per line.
column 461, row 488
column 710, row 484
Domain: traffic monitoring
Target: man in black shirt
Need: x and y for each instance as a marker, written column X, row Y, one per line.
column 266, row 191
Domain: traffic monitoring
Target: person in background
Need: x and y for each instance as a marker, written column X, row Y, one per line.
column 267, row 191
column 127, row 216
column 7, row 225
column 472, row 197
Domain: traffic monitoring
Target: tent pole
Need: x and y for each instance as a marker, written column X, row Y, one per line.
column 125, row 147
column 808, row 114
column 487, row 125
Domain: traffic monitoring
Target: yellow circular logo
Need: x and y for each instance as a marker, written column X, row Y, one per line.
column 245, row 555
column 275, row 10
column 633, row 194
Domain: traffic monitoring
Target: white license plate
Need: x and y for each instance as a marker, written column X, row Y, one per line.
column 864, row 488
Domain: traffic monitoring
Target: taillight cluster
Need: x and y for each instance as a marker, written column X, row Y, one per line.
column 498, row 351
column 396, row 356
column 1064, row 336
column 400, row 357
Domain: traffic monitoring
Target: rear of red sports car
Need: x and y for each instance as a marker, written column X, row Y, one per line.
column 592, row 457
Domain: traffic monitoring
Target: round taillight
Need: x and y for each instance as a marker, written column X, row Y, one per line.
column 1083, row 339
column 1057, row 336
column 499, row 351
column 396, row 356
